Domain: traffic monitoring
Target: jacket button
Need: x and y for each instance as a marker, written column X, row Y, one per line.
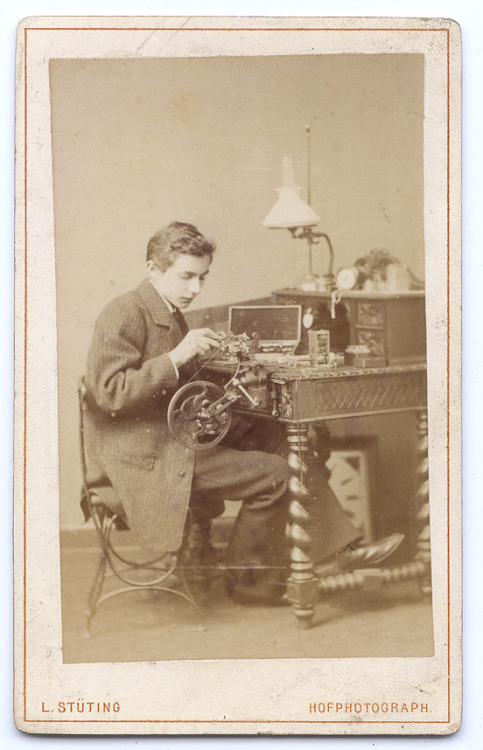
column 182, row 473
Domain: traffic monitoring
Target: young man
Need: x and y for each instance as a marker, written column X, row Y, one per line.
column 141, row 352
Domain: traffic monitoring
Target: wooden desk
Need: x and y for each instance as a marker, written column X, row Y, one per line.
column 298, row 396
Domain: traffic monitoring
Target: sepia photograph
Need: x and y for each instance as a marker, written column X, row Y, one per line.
column 246, row 290
column 156, row 162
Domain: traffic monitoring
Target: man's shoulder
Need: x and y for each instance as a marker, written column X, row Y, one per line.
column 129, row 303
column 141, row 304
column 127, row 299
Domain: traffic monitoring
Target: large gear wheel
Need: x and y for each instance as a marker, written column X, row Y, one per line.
column 195, row 419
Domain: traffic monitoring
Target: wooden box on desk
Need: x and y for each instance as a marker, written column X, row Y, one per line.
column 391, row 324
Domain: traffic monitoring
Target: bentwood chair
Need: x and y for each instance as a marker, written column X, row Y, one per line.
column 122, row 569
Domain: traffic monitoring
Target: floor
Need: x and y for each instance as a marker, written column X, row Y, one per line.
column 149, row 626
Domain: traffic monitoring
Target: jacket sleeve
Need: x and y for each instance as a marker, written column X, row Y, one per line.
column 117, row 377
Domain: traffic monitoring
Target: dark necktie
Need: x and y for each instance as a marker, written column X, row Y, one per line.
column 182, row 325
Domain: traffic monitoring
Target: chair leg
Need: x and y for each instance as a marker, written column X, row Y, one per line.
column 192, row 600
column 107, row 567
column 96, row 589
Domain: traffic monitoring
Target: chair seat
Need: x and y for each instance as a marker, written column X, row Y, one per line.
column 107, row 496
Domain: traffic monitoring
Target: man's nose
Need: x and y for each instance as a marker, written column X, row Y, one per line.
column 194, row 286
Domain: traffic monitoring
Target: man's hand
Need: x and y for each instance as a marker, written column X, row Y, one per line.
column 196, row 343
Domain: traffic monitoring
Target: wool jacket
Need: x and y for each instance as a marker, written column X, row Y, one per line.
column 130, row 380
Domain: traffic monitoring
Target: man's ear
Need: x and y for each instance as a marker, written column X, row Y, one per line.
column 150, row 267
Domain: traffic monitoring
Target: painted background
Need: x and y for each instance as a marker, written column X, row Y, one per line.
column 138, row 143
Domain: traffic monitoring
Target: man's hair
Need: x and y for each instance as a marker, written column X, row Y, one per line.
column 177, row 238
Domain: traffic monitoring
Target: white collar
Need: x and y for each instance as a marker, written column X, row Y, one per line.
column 168, row 304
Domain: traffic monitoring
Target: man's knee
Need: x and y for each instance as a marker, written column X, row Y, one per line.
column 278, row 470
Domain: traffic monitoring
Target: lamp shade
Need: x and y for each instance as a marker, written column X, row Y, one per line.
column 290, row 210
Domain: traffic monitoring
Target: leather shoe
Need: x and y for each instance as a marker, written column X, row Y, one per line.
column 362, row 556
column 271, row 593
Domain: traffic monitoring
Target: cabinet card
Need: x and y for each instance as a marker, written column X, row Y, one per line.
column 124, row 125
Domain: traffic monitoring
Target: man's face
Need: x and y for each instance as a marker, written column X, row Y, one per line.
column 182, row 281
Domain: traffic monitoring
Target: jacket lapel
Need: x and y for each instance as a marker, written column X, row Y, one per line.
column 155, row 304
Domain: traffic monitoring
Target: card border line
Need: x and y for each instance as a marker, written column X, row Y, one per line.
column 448, row 341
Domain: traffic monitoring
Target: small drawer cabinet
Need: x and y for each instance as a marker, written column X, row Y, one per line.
column 392, row 325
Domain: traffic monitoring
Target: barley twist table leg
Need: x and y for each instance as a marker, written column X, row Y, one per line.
column 302, row 587
column 423, row 547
